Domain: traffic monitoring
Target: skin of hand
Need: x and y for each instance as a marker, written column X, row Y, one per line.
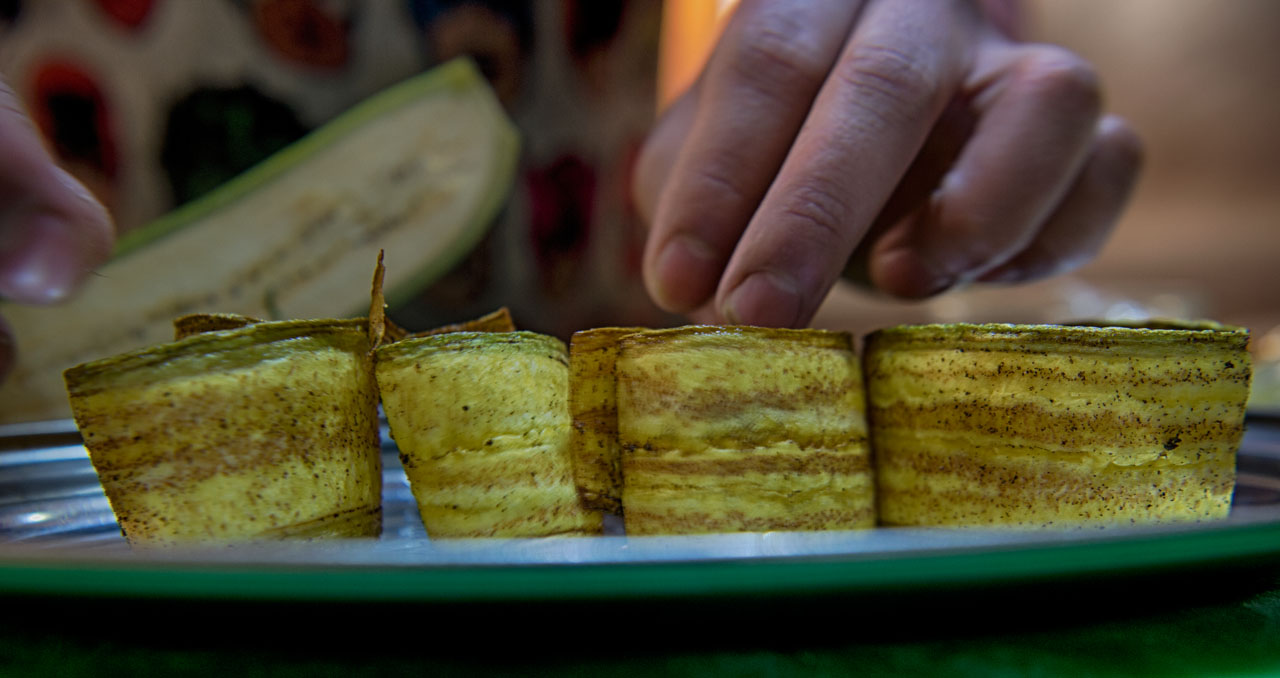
column 52, row 230
column 912, row 144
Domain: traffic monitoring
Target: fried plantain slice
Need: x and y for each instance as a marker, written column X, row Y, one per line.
column 482, row 422
column 593, row 408
column 742, row 429
column 1044, row 425
column 262, row 432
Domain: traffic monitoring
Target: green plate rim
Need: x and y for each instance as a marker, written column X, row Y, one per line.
column 1144, row 554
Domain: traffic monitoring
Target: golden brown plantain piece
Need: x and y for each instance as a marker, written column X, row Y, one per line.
column 265, row 431
column 733, row 429
column 199, row 323
column 482, row 422
column 593, row 407
column 497, row 321
column 1039, row 425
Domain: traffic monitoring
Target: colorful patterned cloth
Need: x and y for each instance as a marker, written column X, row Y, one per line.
column 154, row 102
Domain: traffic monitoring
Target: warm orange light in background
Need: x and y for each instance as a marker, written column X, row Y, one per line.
column 689, row 30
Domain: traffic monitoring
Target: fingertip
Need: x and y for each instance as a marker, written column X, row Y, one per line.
column 1124, row 150
column 683, row 274
column 765, row 299
column 86, row 214
column 902, row 272
column 705, row 315
column 39, row 263
column 1019, row 272
column 54, row 241
column 1115, row 129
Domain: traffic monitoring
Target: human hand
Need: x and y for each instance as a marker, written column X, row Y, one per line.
column 911, row 142
column 52, row 231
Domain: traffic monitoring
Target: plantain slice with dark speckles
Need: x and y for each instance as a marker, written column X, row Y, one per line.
column 482, row 422
column 593, row 406
column 742, row 429
column 1047, row 425
column 261, row 432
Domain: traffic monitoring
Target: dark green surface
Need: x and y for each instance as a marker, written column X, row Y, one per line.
column 1220, row 622
column 1194, row 604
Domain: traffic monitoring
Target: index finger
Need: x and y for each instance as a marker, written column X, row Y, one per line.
column 52, row 231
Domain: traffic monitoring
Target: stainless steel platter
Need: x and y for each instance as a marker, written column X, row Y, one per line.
column 58, row 536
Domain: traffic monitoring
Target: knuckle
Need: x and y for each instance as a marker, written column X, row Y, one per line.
column 768, row 59
column 709, row 202
column 1064, row 79
column 891, row 83
column 819, row 212
column 716, row 185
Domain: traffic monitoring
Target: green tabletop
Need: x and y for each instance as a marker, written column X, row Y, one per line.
column 1220, row 621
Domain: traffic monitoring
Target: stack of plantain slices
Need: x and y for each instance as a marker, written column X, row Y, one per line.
column 482, row 422
column 246, row 429
column 265, row 430
column 1044, row 425
column 593, row 407
column 721, row 429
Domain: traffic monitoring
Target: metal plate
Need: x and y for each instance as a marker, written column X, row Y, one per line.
column 58, row 536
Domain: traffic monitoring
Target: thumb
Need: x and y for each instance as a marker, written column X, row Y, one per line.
column 52, row 230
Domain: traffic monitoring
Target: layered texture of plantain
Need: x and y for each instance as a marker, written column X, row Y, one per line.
column 265, row 431
column 593, row 407
column 482, row 423
column 1038, row 426
column 244, row 429
column 737, row 429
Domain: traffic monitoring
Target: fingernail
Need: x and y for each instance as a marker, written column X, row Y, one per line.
column 685, row 271
column 41, row 260
column 73, row 186
column 939, row 284
column 1002, row 274
column 904, row 273
column 945, row 272
column 764, row 299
